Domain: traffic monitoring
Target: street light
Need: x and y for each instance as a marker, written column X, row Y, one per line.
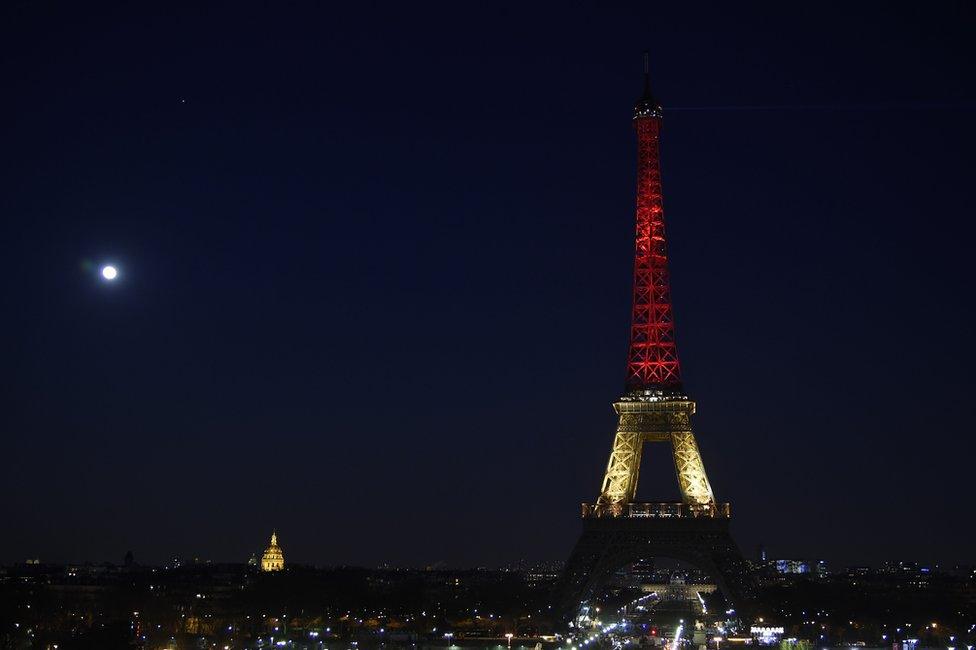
column 509, row 635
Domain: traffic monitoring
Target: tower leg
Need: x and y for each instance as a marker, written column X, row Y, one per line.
column 692, row 480
column 620, row 481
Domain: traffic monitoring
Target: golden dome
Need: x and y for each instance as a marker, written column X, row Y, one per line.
column 273, row 559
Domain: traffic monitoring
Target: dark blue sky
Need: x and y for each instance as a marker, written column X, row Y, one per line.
column 375, row 274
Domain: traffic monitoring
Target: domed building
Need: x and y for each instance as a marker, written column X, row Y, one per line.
column 273, row 559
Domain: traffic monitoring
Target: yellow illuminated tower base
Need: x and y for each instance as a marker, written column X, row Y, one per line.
column 617, row 530
column 665, row 420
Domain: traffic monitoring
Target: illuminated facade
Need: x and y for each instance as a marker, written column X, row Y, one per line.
column 273, row 559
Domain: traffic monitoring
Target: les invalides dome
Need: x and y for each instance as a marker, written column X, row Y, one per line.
column 273, row 559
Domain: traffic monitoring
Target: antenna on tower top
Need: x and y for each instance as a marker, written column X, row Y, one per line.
column 647, row 99
column 647, row 106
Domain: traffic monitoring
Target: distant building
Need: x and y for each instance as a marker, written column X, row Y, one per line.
column 903, row 567
column 816, row 568
column 273, row 559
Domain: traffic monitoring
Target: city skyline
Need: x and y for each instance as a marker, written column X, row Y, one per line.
column 373, row 271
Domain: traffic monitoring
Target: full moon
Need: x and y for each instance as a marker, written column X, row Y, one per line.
column 109, row 272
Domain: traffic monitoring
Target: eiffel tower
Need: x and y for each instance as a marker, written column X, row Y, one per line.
column 654, row 408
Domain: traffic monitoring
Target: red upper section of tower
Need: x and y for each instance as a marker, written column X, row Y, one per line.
column 653, row 359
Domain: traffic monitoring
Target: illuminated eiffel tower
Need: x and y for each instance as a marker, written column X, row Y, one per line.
column 654, row 408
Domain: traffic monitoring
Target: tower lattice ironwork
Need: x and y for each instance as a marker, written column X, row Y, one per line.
column 654, row 408
column 652, row 362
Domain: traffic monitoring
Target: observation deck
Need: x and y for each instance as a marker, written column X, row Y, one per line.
column 657, row 511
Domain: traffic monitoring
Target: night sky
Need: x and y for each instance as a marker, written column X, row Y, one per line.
column 375, row 269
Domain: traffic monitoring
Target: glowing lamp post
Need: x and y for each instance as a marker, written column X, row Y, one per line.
column 509, row 635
